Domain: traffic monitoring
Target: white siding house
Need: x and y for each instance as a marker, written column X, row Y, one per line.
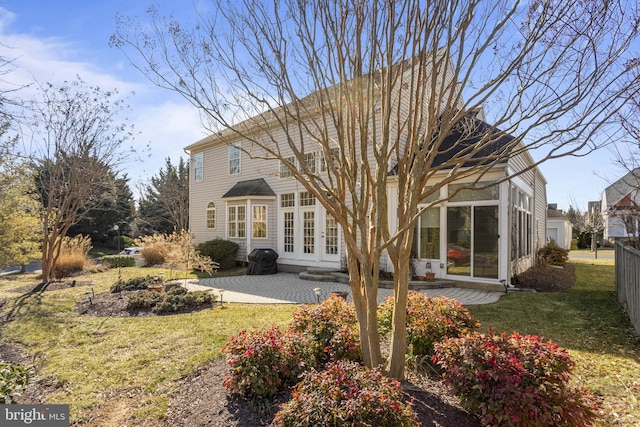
column 620, row 207
column 559, row 228
column 480, row 235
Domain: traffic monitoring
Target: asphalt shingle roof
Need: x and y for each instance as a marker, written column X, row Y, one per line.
column 252, row 187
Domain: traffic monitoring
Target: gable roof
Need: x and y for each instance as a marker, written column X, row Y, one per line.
column 554, row 213
column 622, row 187
column 469, row 132
column 252, row 187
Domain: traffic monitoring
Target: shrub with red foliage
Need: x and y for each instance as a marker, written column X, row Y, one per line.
column 346, row 394
column 332, row 329
column 429, row 320
column 514, row 380
column 265, row 362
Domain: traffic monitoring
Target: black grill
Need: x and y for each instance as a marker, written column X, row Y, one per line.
column 262, row 261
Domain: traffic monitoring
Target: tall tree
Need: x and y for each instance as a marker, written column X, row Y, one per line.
column 19, row 218
column 164, row 202
column 77, row 142
column 377, row 86
column 117, row 206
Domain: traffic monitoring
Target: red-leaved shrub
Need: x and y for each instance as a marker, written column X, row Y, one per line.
column 265, row 362
column 346, row 394
column 514, row 380
column 332, row 329
column 429, row 320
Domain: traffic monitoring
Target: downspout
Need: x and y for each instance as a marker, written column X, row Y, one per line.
column 509, row 229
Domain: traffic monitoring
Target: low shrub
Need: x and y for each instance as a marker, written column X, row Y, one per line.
column 175, row 300
column 13, row 379
column 126, row 242
column 115, row 261
column 332, row 329
column 144, row 300
column 180, row 299
column 134, row 284
column 553, row 254
column 346, row 393
column 265, row 362
column 222, row 251
column 429, row 320
column 514, row 380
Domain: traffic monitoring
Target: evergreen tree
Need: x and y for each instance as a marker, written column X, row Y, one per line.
column 164, row 203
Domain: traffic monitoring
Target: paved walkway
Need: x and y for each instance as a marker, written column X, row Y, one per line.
column 288, row 288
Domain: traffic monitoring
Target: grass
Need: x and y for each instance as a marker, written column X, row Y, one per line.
column 92, row 360
column 587, row 321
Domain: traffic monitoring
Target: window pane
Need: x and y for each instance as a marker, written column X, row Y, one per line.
column 259, row 222
column 234, row 160
column 331, row 236
column 198, row 167
column 287, row 200
column 308, row 233
column 430, row 234
column 474, row 194
column 310, row 162
column 485, row 241
column 459, row 240
column 242, row 231
column 211, row 215
column 285, row 172
column 307, row 199
column 287, row 229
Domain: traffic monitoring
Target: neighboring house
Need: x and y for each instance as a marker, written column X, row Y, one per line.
column 481, row 236
column 620, row 207
column 559, row 228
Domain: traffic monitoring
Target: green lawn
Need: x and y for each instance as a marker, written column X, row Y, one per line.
column 588, row 321
column 106, row 364
column 95, row 360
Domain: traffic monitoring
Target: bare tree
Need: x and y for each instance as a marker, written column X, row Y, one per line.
column 378, row 86
column 627, row 154
column 76, row 143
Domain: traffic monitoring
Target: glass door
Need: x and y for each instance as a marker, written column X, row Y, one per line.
column 472, row 241
column 485, row 242
column 331, row 239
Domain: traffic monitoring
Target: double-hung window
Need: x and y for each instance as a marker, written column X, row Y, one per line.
column 211, row 215
column 234, row 159
column 237, row 222
column 259, row 222
column 198, row 165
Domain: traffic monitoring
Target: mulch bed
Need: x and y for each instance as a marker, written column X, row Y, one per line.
column 202, row 400
column 546, row 278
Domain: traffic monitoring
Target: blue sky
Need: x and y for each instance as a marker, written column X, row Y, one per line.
column 53, row 41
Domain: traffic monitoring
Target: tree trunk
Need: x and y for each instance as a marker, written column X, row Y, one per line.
column 366, row 305
column 398, row 350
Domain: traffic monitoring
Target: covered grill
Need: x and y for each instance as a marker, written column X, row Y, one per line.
column 262, row 261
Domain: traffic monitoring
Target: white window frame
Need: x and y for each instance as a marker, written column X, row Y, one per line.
column 236, row 220
column 211, row 209
column 285, row 172
column 263, row 218
column 198, row 167
column 310, row 162
column 235, row 157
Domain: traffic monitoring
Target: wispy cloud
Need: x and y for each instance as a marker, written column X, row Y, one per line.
column 161, row 120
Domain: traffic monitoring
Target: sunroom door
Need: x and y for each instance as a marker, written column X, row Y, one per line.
column 472, row 241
